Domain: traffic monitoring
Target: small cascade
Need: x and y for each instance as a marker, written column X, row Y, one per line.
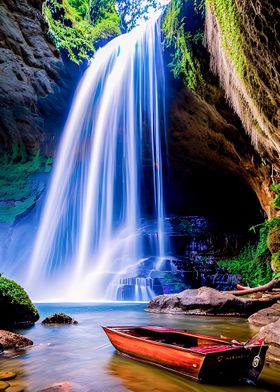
column 137, row 289
column 108, row 169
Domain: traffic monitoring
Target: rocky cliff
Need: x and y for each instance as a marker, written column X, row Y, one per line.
column 33, row 79
column 35, row 88
column 242, row 38
column 225, row 120
column 223, row 129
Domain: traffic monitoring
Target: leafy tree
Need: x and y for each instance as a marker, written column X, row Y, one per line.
column 100, row 9
column 81, row 6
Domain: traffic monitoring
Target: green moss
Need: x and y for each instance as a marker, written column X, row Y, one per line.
column 275, row 261
column 72, row 30
column 18, row 192
column 232, row 39
column 253, row 263
column 276, row 201
column 180, row 40
column 15, row 294
column 15, row 304
column 257, row 264
column 237, row 45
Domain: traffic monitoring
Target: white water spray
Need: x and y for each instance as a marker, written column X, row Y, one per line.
column 107, row 178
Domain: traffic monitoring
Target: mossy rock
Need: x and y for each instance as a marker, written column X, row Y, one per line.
column 275, row 262
column 16, row 308
column 273, row 240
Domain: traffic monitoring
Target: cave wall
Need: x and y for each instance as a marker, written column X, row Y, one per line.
column 36, row 87
column 213, row 126
column 242, row 38
column 213, row 161
column 34, row 81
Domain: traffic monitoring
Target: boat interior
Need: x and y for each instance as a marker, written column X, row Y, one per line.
column 175, row 338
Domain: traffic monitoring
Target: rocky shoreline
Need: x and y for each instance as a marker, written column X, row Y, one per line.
column 263, row 311
column 206, row 301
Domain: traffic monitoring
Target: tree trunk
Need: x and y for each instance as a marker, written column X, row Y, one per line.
column 245, row 291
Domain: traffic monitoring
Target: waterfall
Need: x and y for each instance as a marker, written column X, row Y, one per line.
column 108, row 176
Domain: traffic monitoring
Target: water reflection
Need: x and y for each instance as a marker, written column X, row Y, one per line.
column 139, row 377
column 81, row 355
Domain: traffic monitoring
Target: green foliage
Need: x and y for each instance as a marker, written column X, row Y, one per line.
column 253, row 263
column 71, row 27
column 102, row 9
column 276, row 201
column 14, row 294
column 268, row 224
column 184, row 64
column 199, row 6
column 81, row 6
column 18, row 192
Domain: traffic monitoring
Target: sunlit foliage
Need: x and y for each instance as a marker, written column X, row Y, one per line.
column 180, row 39
column 76, row 30
column 253, row 263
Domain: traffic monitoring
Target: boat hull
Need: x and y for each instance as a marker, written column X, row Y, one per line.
column 156, row 354
column 224, row 364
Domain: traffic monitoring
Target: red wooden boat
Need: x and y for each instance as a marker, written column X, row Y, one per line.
column 200, row 357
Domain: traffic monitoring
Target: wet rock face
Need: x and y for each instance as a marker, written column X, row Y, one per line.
column 10, row 340
column 207, row 301
column 34, row 84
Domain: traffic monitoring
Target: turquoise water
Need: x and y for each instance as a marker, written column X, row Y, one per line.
column 83, row 356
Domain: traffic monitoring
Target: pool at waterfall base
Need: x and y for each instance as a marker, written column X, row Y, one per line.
column 83, row 357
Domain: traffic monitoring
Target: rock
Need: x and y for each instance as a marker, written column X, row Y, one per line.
column 271, row 334
column 36, row 87
column 256, row 29
column 4, row 376
column 4, row 385
column 59, row 319
column 59, row 387
column 10, row 340
column 208, row 301
column 16, row 308
column 33, row 78
column 15, row 388
column 265, row 316
column 273, row 243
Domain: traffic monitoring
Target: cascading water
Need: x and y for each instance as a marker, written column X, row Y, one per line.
column 107, row 178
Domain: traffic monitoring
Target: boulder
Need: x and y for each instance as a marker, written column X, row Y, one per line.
column 16, row 308
column 59, row 319
column 265, row 316
column 208, row 301
column 4, row 385
column 10, row 340
column 6, row 375
column 271, row 334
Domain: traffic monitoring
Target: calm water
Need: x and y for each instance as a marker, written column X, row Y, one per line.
column 82, row 355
